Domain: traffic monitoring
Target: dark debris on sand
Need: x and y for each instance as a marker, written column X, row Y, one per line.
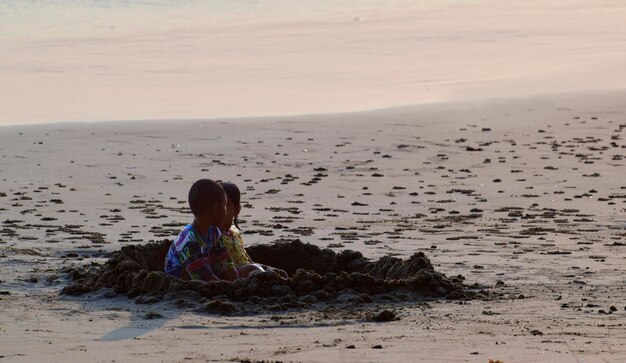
column 317, row 276
column 384, row 316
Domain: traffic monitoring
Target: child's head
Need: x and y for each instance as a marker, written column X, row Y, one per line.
column 207, row 201
column 233, row 206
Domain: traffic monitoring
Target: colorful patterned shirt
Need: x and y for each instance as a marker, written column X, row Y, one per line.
column 233, row 242
column 195, row 254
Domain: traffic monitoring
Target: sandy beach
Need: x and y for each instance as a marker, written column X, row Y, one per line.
column 449, row 173
column 524, row 197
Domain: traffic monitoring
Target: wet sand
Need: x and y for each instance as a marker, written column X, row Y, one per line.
column 524, row 197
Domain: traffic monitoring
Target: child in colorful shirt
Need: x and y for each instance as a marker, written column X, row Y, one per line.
column 196, row 253
column 232, row 240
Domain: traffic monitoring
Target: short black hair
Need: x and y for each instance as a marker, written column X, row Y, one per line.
column 203, row 194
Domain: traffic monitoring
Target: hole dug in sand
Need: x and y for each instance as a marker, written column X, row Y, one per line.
column 317, row 276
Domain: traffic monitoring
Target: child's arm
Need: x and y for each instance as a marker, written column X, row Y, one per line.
column 246, row 254
column 197, row 263
column 243, row 249
column 230, row 271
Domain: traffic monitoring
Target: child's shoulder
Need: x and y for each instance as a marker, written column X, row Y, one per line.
column 186, row 235
column 235, row 232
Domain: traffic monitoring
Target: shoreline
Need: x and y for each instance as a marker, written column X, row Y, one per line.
column 338, row 115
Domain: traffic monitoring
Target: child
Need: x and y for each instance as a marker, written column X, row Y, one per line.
column 231, row 237
column 196, row 253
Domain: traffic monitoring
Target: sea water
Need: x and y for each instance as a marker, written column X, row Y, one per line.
column 87, row 60
column 36, row 17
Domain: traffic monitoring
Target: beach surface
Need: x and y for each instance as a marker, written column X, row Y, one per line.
column 524, row 196
column 507, row 169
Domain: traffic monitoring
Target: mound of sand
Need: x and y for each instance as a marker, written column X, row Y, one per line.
column 316, row 276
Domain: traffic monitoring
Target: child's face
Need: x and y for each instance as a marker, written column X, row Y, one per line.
column 232, row 211
column 217, row 214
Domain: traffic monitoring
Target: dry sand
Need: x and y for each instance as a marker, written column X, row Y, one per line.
column 524, row 196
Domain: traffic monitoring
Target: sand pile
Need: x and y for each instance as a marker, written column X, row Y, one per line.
column 316, row 276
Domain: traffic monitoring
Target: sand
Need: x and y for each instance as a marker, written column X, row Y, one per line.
column 317, row 279
column 524, row 197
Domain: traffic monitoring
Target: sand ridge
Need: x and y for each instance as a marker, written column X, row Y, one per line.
column 316, row 276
